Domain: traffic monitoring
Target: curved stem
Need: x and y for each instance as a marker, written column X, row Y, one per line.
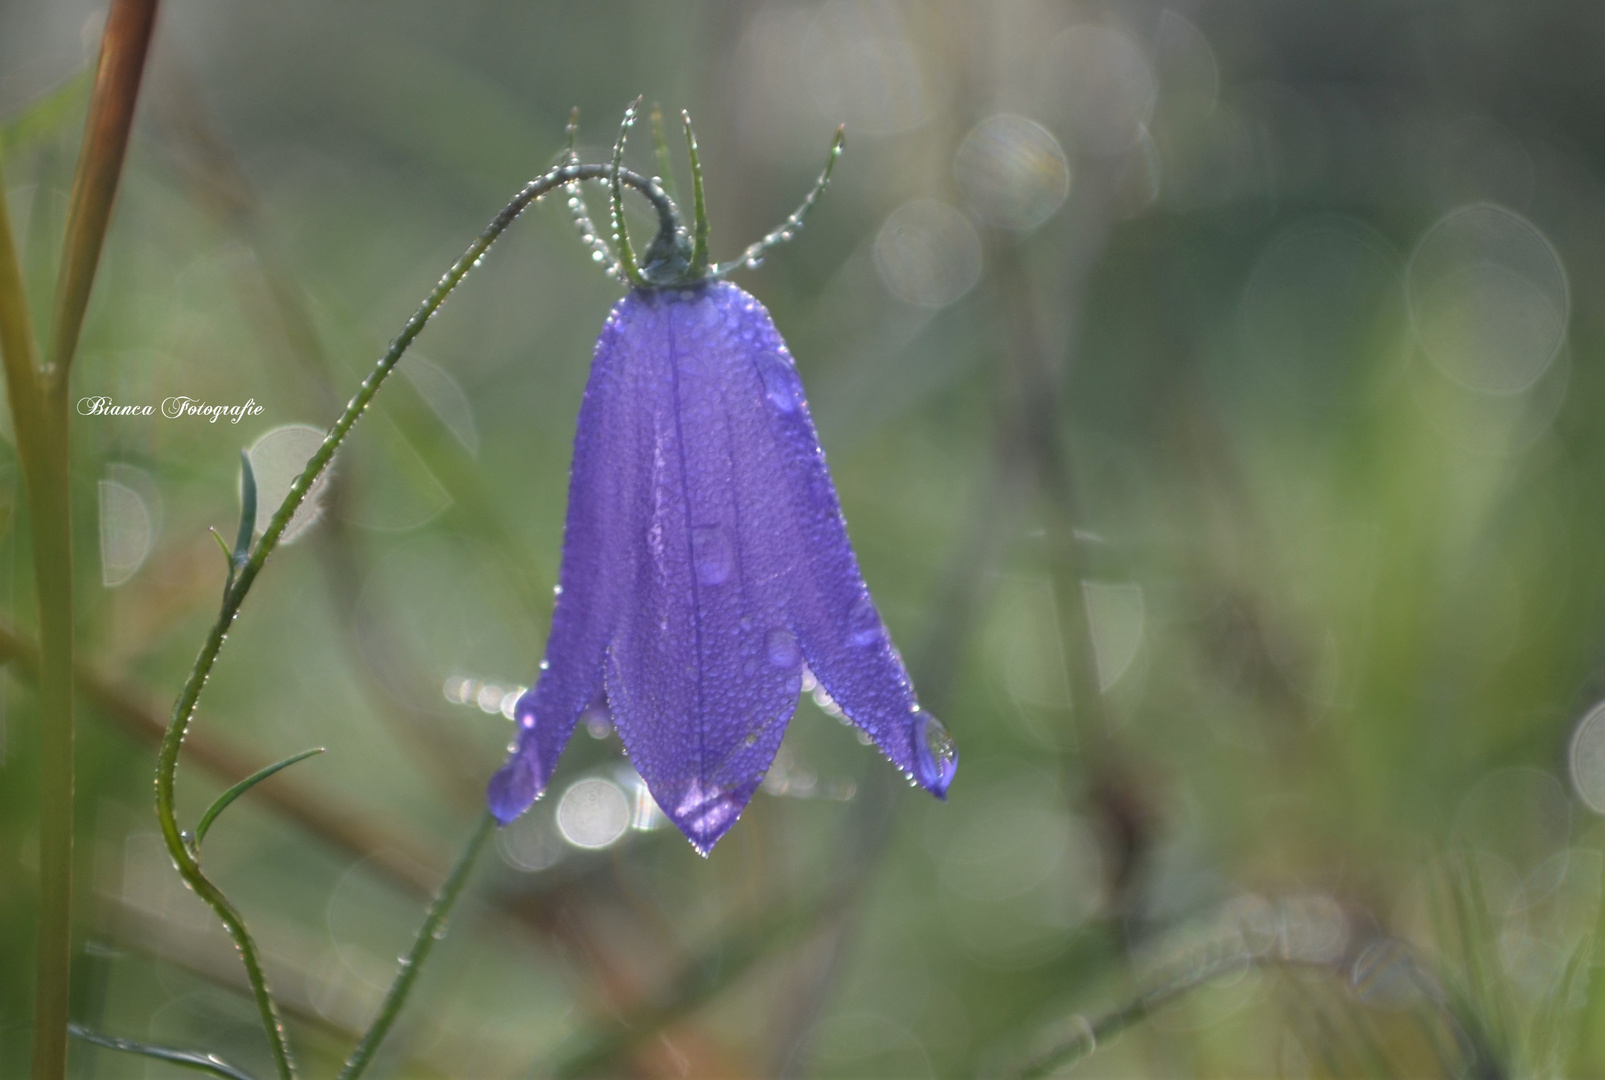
column 184, row 708
column 431, row 931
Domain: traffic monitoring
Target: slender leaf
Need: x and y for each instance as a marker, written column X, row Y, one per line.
column 242, row 787
column 242, row 537
column 184, row 1059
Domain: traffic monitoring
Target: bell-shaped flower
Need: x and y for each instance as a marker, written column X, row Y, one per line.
column 706, row 563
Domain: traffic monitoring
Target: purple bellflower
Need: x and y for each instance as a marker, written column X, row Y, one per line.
column 705, row 558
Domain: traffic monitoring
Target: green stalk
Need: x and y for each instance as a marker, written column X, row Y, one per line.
column 431, row 931
column 50, row 516
column 39, row 442
column 184, row 708
column 38, row 398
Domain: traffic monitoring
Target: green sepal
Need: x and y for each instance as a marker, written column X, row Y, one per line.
column 621, row 238
column 699, row 250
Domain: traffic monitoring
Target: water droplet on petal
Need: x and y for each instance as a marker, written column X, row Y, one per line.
column 936, row 756
column 711, row 554
column 782, row 648
column 779, row 381
column 864, row 623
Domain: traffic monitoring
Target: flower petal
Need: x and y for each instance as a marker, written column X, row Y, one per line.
column 705, row 671
column 828, row 605
column 606, row 504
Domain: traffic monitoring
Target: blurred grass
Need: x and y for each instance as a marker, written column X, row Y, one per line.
column 1370, row 612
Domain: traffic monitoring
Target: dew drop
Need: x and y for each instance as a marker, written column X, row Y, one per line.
column 936, row 756
column 864, row 623
column 597, row 256
column 751, row 739
column 711, row 555
column 782, row 648
column 779, row 381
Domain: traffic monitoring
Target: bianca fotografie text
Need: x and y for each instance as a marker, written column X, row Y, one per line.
column 173, row 408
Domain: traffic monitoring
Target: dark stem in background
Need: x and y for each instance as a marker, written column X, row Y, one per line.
column 1090, row 1033
column 38, row 397
column 185, row 859
column 129, row 24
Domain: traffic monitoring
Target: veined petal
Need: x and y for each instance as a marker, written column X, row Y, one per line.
column 828, row 605
column 606, row 506
column 706, row 668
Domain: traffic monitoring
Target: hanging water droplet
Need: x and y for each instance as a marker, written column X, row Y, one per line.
column 864, row 623
column 597, row 256
column 557, row 590
column 779, row 381
column 936, row 755
column 782, row 648
column 711, row 555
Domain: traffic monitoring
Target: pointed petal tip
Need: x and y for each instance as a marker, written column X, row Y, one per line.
column 512, row 790
column 705, row 814
column 936, row 755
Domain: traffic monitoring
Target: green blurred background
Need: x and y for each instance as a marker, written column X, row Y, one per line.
column 1212, row 392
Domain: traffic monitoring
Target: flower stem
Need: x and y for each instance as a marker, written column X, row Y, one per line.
column 184, row 708
column 431, row 931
